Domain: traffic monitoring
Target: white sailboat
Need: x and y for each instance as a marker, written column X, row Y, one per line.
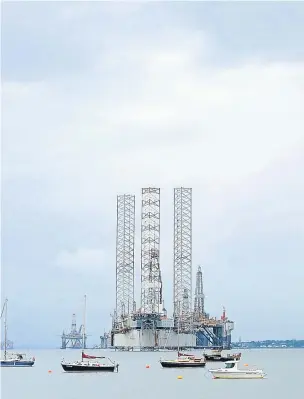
column 13, row 359
column 88, row 363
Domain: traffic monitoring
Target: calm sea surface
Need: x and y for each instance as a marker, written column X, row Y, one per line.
column 134, row 380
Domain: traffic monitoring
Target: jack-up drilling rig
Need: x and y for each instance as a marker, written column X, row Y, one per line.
column 148, row 327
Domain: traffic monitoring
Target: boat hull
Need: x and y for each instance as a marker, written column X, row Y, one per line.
column 238, row 376
column 168, row 364
column 211, row 358
column 85, row 369
column 16, row 363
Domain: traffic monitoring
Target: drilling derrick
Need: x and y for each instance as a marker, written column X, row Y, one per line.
column 151, row 282
column 183, row 254
column 125, row 256
column 199, row 310
column 185, row 318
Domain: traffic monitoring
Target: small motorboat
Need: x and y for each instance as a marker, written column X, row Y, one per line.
column 184, row 360
column 231, row 371
column 216, row 356
column 91, row 364
column 13, row 359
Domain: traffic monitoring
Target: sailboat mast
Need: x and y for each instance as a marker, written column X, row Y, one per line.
column 178, row 319
column 84, row 323
column 5, row 329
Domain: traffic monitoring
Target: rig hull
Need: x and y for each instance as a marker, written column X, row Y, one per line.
column 154, row 332
column 162, row 338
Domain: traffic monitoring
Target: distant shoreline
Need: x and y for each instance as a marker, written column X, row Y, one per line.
column 272, row 347
column 269, row 344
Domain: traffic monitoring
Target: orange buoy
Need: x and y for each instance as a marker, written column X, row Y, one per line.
column 147, row 366
column 50, row 371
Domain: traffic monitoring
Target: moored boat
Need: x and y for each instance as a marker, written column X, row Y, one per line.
column 231, row 371
column 184, row 360
column 88, row 363
column 216, row 356
column 13, row 359
column 91, row 364
column 17, row 360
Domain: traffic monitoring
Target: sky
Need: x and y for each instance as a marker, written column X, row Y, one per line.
column 101, row 99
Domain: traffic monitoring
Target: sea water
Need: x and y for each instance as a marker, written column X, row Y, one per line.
column 47, row 380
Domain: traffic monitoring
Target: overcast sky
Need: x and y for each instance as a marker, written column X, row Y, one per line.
column 100, row 99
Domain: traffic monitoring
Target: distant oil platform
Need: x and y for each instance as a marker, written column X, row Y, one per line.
column 148, row 327
column 74, row 339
